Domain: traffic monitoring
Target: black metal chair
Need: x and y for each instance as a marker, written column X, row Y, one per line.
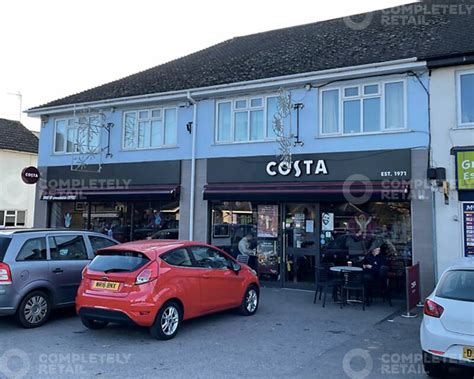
column 243, row 258
column 324, row 281
column 352, row 281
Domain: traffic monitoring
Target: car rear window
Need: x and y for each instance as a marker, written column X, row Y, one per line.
column 457, row 285
column 4, row 243
column 118, row 261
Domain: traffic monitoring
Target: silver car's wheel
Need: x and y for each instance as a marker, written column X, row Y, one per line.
column 34, row 309
column 169, row 320
column 251, row 300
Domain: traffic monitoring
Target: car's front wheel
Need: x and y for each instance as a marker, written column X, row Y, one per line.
column 433, row 369
column 34, row 309
column 93, row 324
column 167, row 322
column 250, row 301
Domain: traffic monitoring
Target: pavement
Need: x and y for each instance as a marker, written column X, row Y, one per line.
column 288, row 337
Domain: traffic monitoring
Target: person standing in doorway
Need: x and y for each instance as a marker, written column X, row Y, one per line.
column 245, row 248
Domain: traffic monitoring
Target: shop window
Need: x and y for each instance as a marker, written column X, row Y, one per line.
column 466, row 99
column 248, row 119
column 358, row 109
column 33, row 250
column 151, row 128
column 70, row 247
column 80, row 134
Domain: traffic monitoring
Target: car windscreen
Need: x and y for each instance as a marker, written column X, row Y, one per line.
column 118, row 261
column 4, row 243
column 457, row 285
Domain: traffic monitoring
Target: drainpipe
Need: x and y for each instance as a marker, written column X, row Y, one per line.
column 193, row 167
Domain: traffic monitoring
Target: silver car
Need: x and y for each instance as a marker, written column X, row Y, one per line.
column 41, row 270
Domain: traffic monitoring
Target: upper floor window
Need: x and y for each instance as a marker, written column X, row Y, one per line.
column 80, row 134
column 12, row 218
column 245, row 119
column 466, row 99
column 369, row 108
column 150, row 128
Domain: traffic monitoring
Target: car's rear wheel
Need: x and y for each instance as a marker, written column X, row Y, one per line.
column 34, row 309
column 250, row 301
column 168, row 321
column 93, row 324
column 433, row 369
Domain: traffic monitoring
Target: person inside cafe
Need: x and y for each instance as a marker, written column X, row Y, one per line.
column 245, row 248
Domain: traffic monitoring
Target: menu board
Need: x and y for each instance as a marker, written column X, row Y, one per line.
column 267, row 225
column 468, row 225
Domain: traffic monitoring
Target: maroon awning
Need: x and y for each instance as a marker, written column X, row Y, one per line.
column 309, row 191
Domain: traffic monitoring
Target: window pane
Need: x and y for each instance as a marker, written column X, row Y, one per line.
column 100, row 243
column 256, row 102
column 223, row 122
column 272, row 110
column 71, row 140
column 330, row 109
column 143, row 133
column 118, row 261
column 239, row 104
column 179, row 257
column 33, row 250
column 209, row 258
column 372, row 115
column 2, row 218
column 241, row 126
column 156, row 113
column 20, row 218
column 353, row 91
column 170, row 126
column 9, row 220
column 352, row 116
column 143, row 114
column 467, row 98
column 130, row 126
column 67, row 248
column 156, row 133
column 372, row 89
column 394, row 106
column 256, row 125
column 60, row 135
column 457, row 285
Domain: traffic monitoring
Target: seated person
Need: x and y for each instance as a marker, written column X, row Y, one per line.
column 375, row 269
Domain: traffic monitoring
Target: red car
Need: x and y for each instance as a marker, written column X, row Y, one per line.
column 159, row 284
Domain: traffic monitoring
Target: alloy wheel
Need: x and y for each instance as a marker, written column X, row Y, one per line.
column 251, row 301
column 36, row 309
column 169, row 320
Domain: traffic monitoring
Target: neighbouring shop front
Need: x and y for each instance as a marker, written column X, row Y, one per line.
column 127, row 201
column 332, row 207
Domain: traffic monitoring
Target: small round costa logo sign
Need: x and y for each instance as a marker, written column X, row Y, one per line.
column 30, row 175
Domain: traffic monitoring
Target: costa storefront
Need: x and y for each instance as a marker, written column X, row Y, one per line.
column 128, row 201
column 331, row 207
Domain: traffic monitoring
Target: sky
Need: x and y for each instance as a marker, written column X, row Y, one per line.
column 54, row 48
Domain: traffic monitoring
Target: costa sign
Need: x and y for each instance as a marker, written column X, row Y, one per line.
column 299, row 167
column 30, row 175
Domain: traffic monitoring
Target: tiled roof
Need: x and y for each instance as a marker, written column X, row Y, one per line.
column 15, row 136
column 306, row 48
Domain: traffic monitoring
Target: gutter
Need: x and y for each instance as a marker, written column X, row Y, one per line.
column 193, row 166
column 382, row 68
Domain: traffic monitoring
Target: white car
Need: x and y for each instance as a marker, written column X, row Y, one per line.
column 447, row 330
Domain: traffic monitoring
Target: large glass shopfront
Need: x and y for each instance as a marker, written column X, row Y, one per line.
column 289, row 240
column 123, row 220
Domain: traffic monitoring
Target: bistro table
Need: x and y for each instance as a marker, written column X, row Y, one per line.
column 345, row 268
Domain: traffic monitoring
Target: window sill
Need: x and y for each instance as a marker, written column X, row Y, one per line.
column 122, row 150
column 70, row 154
column 464, row 127
column 398, row 131
column 242, row 142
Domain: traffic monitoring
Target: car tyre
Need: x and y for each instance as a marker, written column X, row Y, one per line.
column 168, row 321
column 433, row 369
column 93, row 324
column 34, row 310
column 250, row 301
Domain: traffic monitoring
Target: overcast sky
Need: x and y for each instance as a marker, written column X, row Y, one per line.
column 54, row 48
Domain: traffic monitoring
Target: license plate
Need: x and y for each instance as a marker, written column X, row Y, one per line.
column 468, row 352
column 110, row 286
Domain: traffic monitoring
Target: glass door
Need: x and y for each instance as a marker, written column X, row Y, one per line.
column 300, row 251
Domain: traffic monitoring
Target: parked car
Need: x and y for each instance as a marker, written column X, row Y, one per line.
column 41, row 270
column 158, row 284
column 447, row 330
column 165, row 234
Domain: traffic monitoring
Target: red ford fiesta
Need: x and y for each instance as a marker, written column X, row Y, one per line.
column 159, row 284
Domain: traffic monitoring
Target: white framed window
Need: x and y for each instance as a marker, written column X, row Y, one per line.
column 363, row 108
column 150, row 128
column 80, row 134
column 465, row 98
column 12, row 218
column 245, row 119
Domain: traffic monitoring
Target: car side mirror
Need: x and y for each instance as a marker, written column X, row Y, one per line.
column 235, row 267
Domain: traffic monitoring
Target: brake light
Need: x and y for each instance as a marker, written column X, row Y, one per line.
column 83, row 273
column 148, row 274
column 5, row 274
column 432, row 309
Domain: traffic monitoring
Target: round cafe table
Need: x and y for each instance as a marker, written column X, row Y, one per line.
column 345, row 268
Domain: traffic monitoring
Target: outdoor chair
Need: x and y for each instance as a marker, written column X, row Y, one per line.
column 352, row 281
column 243, row 258
column 324, row 281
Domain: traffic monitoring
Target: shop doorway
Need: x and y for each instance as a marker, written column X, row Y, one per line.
column 300, row 245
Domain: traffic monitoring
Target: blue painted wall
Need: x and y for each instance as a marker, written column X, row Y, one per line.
column 416, row 136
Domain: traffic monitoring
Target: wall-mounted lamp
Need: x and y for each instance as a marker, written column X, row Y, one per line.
column 308, row 86
column 112, row 110
column 44, row 119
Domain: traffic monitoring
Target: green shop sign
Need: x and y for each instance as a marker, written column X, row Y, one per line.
column 465, row 170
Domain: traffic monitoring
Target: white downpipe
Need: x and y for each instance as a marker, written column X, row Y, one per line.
column 193, row 167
